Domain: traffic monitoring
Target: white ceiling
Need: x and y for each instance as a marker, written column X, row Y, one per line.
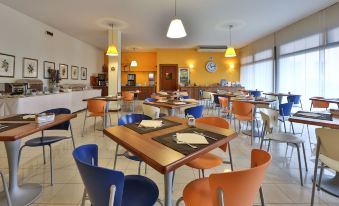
column 146, row 21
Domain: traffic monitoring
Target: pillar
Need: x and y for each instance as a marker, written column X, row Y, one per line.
column 114, row 64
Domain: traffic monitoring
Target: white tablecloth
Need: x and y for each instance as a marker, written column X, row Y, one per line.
column 40, row 103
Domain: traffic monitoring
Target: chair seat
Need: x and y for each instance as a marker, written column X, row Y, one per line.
column 285, row 137
column 130, row 156
column 47, row 140
column 114, row 110
column 331, row 163
column 139, row 191
column 162, row 115
column 197, row 192
column 243, row 118
column 97, row 114
column 205, row 161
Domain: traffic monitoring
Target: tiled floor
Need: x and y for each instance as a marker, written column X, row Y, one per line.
column 281, row 185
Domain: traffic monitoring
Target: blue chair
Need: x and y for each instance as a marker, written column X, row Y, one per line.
column 255, row 93
column 196, row 111
column 285, row 111
column 110, row 187
column 185, row 97
column 129, row 119
column 296, row 100
column 49, row 140
column 150, row 100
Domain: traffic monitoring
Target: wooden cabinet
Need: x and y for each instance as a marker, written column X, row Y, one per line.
column 194, row 91
column 145, row 91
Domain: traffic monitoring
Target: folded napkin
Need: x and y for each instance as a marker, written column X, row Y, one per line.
column 29, row 116
column 190, row 100
column 179, row 103
column 190, row 138
column 150, row 123
column 162, row 100
column 163, row 93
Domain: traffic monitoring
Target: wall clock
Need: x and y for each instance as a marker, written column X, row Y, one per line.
column 211, row 66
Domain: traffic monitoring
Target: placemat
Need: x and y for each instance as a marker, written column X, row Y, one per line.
column 9, row 126
column 169, row 140
column 18, row 118
column 143, row 130
column 321, row 116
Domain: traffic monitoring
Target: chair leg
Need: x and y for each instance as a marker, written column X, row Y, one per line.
column 115, row 156
column 284, row 125
column 95, row 122
column 269, row 145
column 309, row 136
column 51, row 162
column 44, row 154
column 145, row 168
column 303, row 147
column 19, row 156
column 314, row 179
column 83, row 127
column 261, row 196
column 70, row 127
column 299, row 160
column 230, row 155
column 203, row 173
column 178, row 201
column 322, row 167
column 83, row 198
column 139, row 168
column 5, row 188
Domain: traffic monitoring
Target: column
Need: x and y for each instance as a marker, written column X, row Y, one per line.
column 114, row 64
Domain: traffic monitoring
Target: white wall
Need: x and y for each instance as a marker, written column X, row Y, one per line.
column 23, row 36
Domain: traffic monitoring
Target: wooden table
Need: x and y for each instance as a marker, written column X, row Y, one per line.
column 27, row 193
column 329, row 100
column 278, row 95
column 253, row 132
column 169, row 106
column 158, row 156
column 329, row 184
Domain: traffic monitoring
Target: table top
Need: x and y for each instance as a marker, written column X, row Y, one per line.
column 330, row 100
column 169, row 105
column 32, row 127
column 105, row 98
column 317, row 122
column 253, row 101
column 278, row 94
column 158, row 156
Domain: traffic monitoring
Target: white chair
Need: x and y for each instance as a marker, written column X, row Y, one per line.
column 270, row 119
column 327, row 154
column 151, row 111
column 4, row 185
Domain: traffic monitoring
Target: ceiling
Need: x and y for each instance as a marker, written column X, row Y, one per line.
column 144, row 23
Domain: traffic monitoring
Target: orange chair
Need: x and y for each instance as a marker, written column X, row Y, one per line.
column 242, row 111
column 238, row 188
column 209, row 160
column 128, row 99
column 95, row 108
column 224, row 105
column 319, row 104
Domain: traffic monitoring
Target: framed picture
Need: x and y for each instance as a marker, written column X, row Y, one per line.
column 83, row 73
column 7, row 65
column 48, row 66
column 184, row 76
column 74, row 72
column 63, row 69
column 29, row 68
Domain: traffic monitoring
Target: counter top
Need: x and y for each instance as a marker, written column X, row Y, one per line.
column 138, row 86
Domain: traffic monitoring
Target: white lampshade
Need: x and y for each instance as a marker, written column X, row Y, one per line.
column 134, row 63
column 176, row 29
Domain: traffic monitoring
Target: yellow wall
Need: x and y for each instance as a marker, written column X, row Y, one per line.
column 147, row 61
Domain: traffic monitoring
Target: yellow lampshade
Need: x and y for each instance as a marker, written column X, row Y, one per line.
column 230, row 52
column 112, row 51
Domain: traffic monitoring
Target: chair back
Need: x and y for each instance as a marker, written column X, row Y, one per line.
column 328, row 140
column 132, row 118
column 151, row 111
column 223, row 102
column 285, row 109
column 270, row 119
column 255, row 93
column 295, row 99
column 127, row 96
column 216, row 99
column 217, row 122
column 320, row 104
column 196, row 111
column 57, row 111
column 240, row 187
column 201, row 93
column 150, row 100
column 98, row 181
column 184, row 97
column 242, row 108
column 96, row 106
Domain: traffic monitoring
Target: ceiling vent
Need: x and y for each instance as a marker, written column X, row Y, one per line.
column 211, row 48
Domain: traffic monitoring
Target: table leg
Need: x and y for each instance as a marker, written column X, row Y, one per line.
column 106, row 115
column 330, row 184
column 168, row 188
column 280, row 99
column 20, row 195
column 171, row 112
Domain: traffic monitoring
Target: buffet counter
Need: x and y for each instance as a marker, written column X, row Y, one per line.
column 39, row 103
column 193, row 91
column 145, row 91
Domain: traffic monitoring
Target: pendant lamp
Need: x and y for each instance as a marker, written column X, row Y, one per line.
column 176, row 28
column 230, row 52
column 134, row 63
column 112, row 50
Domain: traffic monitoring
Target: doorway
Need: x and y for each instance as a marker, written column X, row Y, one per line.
column 168, row 77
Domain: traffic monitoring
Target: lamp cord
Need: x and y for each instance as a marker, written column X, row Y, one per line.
column 175, row 8
column 112, row 34
column 230, row 34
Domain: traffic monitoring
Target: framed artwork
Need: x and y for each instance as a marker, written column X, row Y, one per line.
column 48, row 66
column 7, row 65
column 83, row 73
column 63, row 69
column 29, row 68
column 184, row 76
column 74, row 72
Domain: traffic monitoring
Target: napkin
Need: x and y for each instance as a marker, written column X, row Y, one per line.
column 179, row 103
column 190, row 138
column 29, row 116
column 163, row 93
column 190, row 100
column 150, row 123
column 162, row 100
column 309, row 114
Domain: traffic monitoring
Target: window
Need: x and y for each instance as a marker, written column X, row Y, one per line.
column 331, row 72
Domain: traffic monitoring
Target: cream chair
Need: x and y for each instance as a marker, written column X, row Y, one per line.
column 151, row 111
column 327, row 154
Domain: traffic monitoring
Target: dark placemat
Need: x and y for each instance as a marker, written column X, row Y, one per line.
column 143, row 130
column 321, row 116
column 8, row 126
column 169, row 140
column 18, row 118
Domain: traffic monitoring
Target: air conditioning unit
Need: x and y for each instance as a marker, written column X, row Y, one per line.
column 211, row 48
